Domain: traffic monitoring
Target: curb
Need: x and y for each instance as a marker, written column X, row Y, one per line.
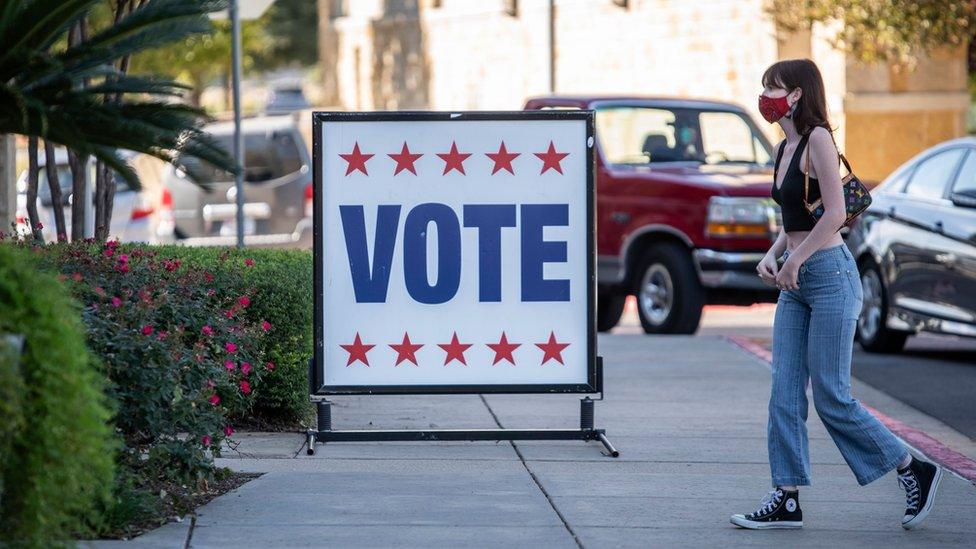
column 919, row 440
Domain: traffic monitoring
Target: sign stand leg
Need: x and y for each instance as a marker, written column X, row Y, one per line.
column 324, row 432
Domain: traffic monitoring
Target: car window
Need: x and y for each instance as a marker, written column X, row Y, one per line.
column 65, row 183
column 266, row 156
column 933, row 174
column 727, row 136
column 966, row 180
column 641, row 135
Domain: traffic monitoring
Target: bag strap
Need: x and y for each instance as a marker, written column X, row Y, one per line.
column 806, row 174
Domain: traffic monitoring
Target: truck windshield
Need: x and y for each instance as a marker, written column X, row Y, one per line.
column 643, row 135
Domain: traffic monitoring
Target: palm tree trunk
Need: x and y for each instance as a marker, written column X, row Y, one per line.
column 32, row 172
column 101, row 227
column 77, row 163
column 54, row 182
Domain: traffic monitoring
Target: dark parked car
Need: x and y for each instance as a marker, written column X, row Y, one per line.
column 277, row 189
column 916, row 249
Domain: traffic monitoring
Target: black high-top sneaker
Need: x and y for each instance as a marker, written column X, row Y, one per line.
column 920, row 481
column 779, row 509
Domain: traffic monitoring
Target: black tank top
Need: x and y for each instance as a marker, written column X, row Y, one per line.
column 790, row 196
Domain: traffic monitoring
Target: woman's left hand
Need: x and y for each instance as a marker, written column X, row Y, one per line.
column 786, row 278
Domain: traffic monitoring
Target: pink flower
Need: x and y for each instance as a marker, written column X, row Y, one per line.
column 265, row 325
column 246, row 368
column 209, row 277
column 211, row 383
column 39, row 226
column 229, row 313
column 270, row 365
column 112, row 244
column 123, row 258
column 244, row 301
column 229, row 364
column 109, row 252
column 161, row 334
column 230, row 347
column 116, row 302
column 76, row 277
column 228, row 430
column 245, row 387
column 211, row 291
column 206, row 440
column 100, row 291
column 147, row 330
column 207, row 330
column 122, row 267
column 249, row 262
column 215, row 399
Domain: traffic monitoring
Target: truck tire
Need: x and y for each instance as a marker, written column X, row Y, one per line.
column 609, row 309
column 670, row 297
column 872, row 332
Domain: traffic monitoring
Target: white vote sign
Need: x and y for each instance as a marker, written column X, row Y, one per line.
column 454, row 253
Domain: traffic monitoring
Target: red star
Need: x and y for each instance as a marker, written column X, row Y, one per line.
column 503, row 350
column 503, row 159
column 357, row 351
column 406, row 350
column 551, row 159
column 455, row 350
column 405, row 160
column 552, row 349
column 356, row 160
column 454, row 159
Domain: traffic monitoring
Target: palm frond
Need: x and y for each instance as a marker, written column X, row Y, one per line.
column 37, row 24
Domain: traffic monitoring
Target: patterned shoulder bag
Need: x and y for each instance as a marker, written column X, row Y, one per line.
column 857, row 198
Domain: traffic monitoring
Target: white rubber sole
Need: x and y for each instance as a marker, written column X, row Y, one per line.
column 917, row 519
column 742, row 522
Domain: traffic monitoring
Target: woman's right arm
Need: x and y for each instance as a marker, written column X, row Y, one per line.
column 779, row 245
column 768, row 267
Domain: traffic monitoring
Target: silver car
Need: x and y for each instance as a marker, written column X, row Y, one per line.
column 138, row 216
column 277, row 189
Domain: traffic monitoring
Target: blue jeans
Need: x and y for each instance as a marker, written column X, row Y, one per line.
column 813, row 336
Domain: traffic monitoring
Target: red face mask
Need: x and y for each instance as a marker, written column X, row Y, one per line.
column 773, row 108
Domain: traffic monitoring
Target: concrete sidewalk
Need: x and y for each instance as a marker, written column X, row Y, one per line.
column 687, row 414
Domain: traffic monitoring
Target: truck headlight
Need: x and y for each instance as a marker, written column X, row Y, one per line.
column 750, row 217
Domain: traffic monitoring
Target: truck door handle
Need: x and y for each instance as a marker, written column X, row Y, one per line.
column 620, row 217
column 939, row 228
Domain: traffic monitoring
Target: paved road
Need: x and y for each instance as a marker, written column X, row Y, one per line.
column 687, row 413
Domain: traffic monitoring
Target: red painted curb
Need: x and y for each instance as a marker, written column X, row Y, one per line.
column 918, row 439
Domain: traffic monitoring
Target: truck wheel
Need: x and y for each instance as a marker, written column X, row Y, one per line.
column 670, row 297
column 872, row 331
column 609, row 309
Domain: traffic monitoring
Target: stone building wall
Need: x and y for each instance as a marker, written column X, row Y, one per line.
column 493, row 54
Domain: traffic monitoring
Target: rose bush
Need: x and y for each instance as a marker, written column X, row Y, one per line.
column 178, row 353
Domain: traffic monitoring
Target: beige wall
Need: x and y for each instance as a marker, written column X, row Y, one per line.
column 895, row 112
column 472, row 55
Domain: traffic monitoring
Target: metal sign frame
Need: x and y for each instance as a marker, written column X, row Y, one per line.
column 317, row 371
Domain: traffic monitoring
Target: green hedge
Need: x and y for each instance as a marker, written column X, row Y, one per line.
column 57, row 469
column 281, row 283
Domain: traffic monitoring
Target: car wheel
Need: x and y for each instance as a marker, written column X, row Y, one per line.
column 872, row 330
column 670, row 297
column 609, row 309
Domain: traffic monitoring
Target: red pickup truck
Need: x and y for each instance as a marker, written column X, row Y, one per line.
column 683, row 207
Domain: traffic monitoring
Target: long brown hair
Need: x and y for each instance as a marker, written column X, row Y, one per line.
column 804, row 74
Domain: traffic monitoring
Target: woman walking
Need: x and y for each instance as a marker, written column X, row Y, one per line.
column 819, row 303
